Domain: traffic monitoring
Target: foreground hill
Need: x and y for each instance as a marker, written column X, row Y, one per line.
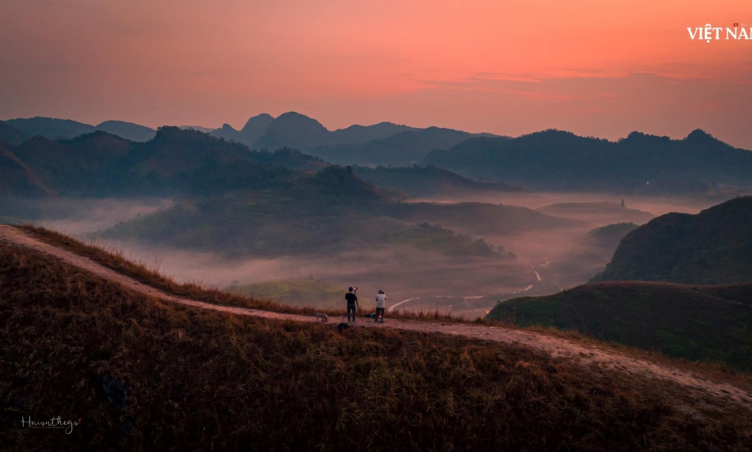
column 692, row 322
column 712, row 247
column 555, row 160
column 429, row 181
column 143, row 373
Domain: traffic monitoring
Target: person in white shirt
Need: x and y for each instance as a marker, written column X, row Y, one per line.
column 380, row 306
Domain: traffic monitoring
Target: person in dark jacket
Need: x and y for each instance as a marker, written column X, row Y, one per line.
column 352, row 303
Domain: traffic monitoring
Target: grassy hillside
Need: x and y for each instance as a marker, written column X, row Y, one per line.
column 141, row 374
column 712, row 247
column 692, row 322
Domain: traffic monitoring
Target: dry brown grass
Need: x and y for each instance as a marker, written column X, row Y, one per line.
column 116, row 260
column 203, row 380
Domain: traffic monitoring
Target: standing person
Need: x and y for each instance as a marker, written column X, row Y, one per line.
column 352, row 303
column 380, row 306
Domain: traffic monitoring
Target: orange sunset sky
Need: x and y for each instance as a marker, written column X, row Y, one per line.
column 601, row 68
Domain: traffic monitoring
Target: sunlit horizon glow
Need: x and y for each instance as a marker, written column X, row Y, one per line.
column 591, row 67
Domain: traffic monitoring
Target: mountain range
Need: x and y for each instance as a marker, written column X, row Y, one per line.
column 65, row 129
column 101, row 164
column 698, row 164
column 556, row 160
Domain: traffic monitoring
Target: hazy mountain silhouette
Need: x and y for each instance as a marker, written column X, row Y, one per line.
column 712, row 247
column 11, row 135
column 403, row 148
column 607, row 211
column 198, row 128
column 425, row 181
column 295, row 131
column 102, row 164
column 382, row 143
column 128, row 130
column 298, row 131
column 555, row 160
column 52, row 128
column 66, row 129
column 84, row 165
column 609, row 236
column 478, row 218
column 254, row 129
column 360, row 134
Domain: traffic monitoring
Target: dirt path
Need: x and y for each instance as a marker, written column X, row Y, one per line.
column 553, row 346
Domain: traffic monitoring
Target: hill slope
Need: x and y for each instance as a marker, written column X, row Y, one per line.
column 17, row 179
column 142, row 373
column 52, row 128
column 401, row 149
column 609, row 236
column 128, row 130
column 692, row 322
column 175, row 160
column 712, row 247
column 429, row 181
column 11, row 135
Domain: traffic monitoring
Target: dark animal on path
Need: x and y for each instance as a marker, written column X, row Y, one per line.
column 342, row 327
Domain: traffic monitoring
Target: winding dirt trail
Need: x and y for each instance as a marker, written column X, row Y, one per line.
column 554, row 346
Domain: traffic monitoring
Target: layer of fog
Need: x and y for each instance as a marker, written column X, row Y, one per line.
column 463, row 286
column 78, row 217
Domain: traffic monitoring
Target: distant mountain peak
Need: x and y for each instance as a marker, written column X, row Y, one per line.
column 171, row 132
column 699, row 136
column 257, row 122
column 298, row 121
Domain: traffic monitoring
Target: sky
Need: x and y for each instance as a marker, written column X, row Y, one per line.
column 594, row 67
